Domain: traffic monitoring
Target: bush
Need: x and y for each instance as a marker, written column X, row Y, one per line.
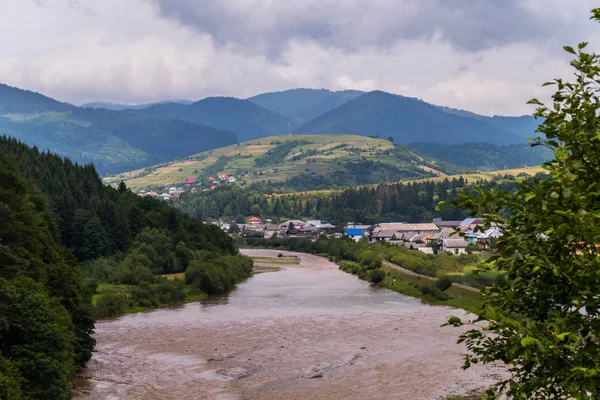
column 433, row 292
column 110, row 305
column 376, row 275
column 443, row 284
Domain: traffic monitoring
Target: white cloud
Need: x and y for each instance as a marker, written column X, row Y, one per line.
column 142, row 50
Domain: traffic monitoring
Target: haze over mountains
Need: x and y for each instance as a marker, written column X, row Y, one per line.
column 117, row 137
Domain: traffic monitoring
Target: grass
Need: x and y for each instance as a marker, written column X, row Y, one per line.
column 409, row 285
column 180, row 275
column 277, row 260
column 260, row 269
column 323, row 151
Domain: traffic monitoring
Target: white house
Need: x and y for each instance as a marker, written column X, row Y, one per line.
column 455, row 246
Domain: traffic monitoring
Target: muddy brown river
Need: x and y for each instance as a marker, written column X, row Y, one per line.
column 310, row 331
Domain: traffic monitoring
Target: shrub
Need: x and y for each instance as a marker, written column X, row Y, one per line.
column 376, row 275
column 443, row 284
column 110, row 305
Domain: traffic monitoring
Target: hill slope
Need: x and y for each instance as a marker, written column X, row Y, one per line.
column 304, row 104
column 297, row 162
column 523, row 126
column 248, row 120
column 114, row 141
column 404, row 119
column 485, row 156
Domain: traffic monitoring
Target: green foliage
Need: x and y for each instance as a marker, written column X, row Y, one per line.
column 412, row 202
column 277, row 154
column 443, row 284
column 218, row 275
column 54, row 212
column 110, row 305
column 45, row 317
column 485, row 156
column 543, row 320
column 376, row 275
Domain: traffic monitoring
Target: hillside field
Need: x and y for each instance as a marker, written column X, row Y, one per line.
column 279, row 158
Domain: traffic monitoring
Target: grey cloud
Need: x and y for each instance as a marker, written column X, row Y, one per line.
column 349, row 25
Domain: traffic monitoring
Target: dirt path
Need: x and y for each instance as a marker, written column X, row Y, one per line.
column 431, row 278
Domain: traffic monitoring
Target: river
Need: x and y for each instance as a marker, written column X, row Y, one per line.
column 309, row 331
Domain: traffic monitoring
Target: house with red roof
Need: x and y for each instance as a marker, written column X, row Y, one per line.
column 223, row 177
column 254, row 220
column 212, row 178
column 189, row 182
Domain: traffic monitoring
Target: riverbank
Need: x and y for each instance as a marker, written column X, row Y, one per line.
column 308, row 331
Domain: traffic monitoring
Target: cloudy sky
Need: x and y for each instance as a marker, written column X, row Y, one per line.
column 488, row 56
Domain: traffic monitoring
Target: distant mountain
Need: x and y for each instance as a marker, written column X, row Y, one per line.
column 18, row 101
column 405, row 120
column 113, row 140
column 248, row 120
column 304, row 104
column 523, row 126
column 119, row 107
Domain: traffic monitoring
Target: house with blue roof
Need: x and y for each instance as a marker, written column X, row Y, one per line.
column 355, row 233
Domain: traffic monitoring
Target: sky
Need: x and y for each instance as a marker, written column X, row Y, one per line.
column 487, row 56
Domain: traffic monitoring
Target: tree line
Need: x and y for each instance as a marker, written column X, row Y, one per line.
column 63, row 235
column 410, row 202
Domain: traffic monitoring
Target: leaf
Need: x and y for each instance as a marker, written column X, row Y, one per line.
column 569, row 49
column 528, row 340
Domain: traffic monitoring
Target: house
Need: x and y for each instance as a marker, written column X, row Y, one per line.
column 355, row 234
column 297, row 224
column 223, row 177
column 383, row 236
column 308, row 229
column 292, row 232
column 271, row 230
column 176, row 191
column 320, row 225
column 446, row 224
column 165, row 196
column 254, row 220
column 455, row 246
column 213, row 187
column 212, row 178
column 231, row 179
column 189, row 181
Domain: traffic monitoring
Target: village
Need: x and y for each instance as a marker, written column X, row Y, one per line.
column 437, row 237
column 189, row 185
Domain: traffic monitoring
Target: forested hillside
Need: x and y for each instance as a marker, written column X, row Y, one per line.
column 485, row 156
column 404, row 119
column 409, row 202
column 62, row 227
column 304, row 104
column 248, row 120
column 114, row 141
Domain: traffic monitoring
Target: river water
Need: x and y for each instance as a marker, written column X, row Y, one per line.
column 310, row 331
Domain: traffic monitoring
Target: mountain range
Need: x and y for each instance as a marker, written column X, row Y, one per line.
column 117, row 137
